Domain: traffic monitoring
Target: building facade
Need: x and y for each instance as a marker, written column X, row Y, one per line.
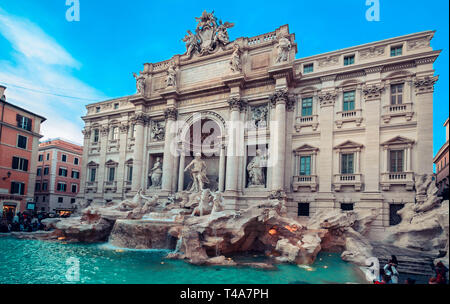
column 346, row 129
column 441, row 161
column 19, row 139
column 58, row 175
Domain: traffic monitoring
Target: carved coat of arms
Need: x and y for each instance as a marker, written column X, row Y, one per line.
column 209, row 35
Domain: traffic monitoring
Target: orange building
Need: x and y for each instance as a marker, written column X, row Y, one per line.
column 19, row 139
column 441, row 160
column 58, row 175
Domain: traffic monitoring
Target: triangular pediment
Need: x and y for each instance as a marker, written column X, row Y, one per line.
column 305, row 148
column 129, row 161
column 398, row 140
column 348, row 145
column 92, row 164
column 111, row 163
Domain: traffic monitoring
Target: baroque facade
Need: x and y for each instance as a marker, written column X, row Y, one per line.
column 346, row 129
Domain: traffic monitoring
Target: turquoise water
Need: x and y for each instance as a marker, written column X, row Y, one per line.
column 33, row 261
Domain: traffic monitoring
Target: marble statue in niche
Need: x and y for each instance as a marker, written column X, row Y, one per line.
column 155, row 174
column 198, row 173
column 255, row 170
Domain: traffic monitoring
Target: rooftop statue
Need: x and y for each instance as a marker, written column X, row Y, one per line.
column 209, row 35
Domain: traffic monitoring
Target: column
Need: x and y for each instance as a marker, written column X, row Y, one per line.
column 358, row 152
column 423, row 104
column 408, row 162
column 104, row 132
column 313, row 163
column 121, row 174
column 278, row 99
column 138, row 152
column 181, row 171
column 222, row 168
column 233, row 145
column 386, row 159
column 169, row 150
column 84, row 161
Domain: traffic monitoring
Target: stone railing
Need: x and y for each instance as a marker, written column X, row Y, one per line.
column 347, row 180
column 304, row 181
column 127, row 186
column 262, row 38
column 306, row 121
column 403, row 109
column 389, row 179
column 349, row 116
column 91, row 186
column 110, row 186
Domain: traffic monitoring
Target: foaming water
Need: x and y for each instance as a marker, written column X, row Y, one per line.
column 33, row 261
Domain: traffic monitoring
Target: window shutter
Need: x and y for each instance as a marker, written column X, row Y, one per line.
column 15, row 162
column 25, row 165
column 28, row 124
column 22, row 189
column 18, row 119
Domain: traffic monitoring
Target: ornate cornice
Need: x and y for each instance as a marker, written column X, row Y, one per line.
column 170, row 113
column 237, row 103
column 327, row 98
column 373, row 91
column 124, row 127
column 425, row 84
column 140, row 118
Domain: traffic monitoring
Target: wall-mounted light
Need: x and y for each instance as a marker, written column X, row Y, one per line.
column 8, row 175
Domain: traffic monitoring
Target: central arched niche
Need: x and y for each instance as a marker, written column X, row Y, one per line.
column 203, row 136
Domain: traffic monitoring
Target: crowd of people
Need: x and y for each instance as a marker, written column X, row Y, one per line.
column 390, row 275
column 21, row 222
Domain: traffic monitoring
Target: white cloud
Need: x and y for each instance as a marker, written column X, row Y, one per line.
column 39, row 65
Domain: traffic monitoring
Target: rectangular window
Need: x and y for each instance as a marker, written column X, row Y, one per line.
column 133, row 131
column 303, row 209
column 20, row 164
column 308, row 68
column 23, row 122
column 349, row 101
column 346, row 206
column 115, row 133
column 62, row 172
column 129, row 173
column 305, row 165
column 92, row 174
column 307, row 106
column 63, row 157
column 347, row 163
column 41, row 157
column 72, row 201
column 111, row 173
column 22, row 141
column 17, row 188
column 396, row 51
column 397, row 93
column 48, row 156
column 75, row 161
column 62, row 187
column 44, row 186
column 74, row 188
column 43, row 199
column 116, row 106
column 60, row 199
column 97, row 109
column 348, row 60
column 396, row 160
column 96, row 135
column 39, row 171
column 37, row 187
column 46, row 169
column 75, row 174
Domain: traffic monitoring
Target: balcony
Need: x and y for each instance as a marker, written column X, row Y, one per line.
column 349, row 116
column 127, row 186
column 397, row 178
column 110, row 186
column 305, row 181
column 354, row 180
column 91, row 187
column 306, row 121
column 404, row 109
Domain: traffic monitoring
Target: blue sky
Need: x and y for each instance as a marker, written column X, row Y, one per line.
column 93, row 59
